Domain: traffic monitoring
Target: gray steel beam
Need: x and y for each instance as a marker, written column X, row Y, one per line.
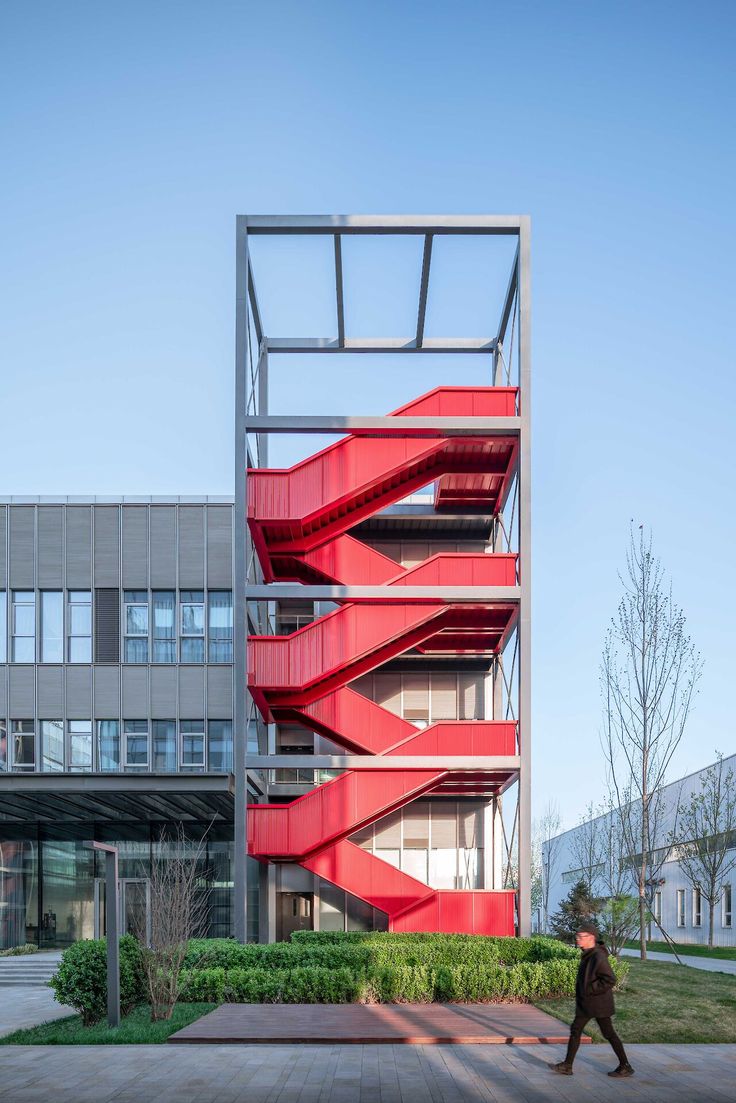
column 256, row 313
column 383, row 224
column 498, row 763
column 381, row 426
column 240, row 624
column 339, row 295
column 423, row 289
column 262, row 403
column 375, row 345
column 283, row 591
column 508, row 301
column 525, row 649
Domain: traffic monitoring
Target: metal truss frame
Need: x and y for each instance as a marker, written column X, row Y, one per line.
column 510, row 365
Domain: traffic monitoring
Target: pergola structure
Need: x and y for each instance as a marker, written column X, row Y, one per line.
column 509, row 365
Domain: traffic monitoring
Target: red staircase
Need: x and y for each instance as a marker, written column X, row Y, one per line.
column 299, row 520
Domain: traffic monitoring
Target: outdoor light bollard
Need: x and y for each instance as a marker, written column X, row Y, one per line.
column 111, row 930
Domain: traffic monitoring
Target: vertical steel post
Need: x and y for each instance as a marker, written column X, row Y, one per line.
column 525, row 648
column 240, row 714
column 112, row 934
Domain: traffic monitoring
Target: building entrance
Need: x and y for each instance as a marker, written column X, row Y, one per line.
column 295, row 914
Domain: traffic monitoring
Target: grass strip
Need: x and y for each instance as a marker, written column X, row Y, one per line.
column 724, row 953
column 135, row 1029
column 666, row 1003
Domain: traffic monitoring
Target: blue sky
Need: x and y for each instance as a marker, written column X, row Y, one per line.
column 133, row 134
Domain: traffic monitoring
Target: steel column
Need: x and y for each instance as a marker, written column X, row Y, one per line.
column 525, row 649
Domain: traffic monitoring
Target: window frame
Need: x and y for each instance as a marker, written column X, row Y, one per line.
column 14, row 606
column 136, row 603
column 697, row 908
column 136, row 767
column 681, row 909
column 43, row 594
column 71, row 636
column 727, row 912
column 72, row 767
column 13, row 766
column 187, row 636
column 201, row 731
column 3, row 626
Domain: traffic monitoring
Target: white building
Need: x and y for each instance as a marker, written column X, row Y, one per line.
column 679, row 907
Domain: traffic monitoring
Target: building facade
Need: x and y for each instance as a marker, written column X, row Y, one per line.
column 116, row 703
column 678, row 904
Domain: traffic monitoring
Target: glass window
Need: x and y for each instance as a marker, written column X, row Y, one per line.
column 220, row 739
column 192, row 743
column 108, row 744
column 164, row 746
column 3, row 626
column 331, row 907
column 24, row 626
column 136, row 744
column 192, row 626
column 220, row 628
column 52, row 745
column 164, row 628
column 80, row 626
column 52, row 626
column 680, row 907
column 136, row 626
column 80, row 746
column 3, row 746
column 697, row 908
column 24, row 744
column 726, row 910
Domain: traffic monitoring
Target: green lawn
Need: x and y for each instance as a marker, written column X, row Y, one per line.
column 135, row 1029
column 666, row 1003
column 726, row 953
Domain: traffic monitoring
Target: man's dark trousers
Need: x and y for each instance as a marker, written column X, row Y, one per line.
column 607, row 1030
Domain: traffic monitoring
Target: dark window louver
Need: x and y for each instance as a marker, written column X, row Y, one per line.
column 107, row 626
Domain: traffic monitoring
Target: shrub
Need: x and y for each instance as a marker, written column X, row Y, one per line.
column 81, row 980
column 305, row 984
column 17, row 951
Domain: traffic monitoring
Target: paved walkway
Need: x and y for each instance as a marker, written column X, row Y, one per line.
column 21, row 1007
column 360, row 1074
column 355, row 1023
column 710, row 964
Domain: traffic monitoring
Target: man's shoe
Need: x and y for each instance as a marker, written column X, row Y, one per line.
column 562, row 1067
column 622, row 1070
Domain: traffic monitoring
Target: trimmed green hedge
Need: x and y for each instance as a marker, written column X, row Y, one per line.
column 81, row 979
column 379, row 967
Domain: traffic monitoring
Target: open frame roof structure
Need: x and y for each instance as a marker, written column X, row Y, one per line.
column 254, row 345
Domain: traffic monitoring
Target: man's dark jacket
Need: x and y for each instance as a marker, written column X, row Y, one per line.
column 594, row 984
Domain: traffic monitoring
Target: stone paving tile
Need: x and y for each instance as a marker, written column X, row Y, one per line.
column 360, row 1074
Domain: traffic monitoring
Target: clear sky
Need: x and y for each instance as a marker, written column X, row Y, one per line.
column 132, row 134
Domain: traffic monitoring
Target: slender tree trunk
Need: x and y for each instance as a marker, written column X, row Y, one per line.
column 711, row 910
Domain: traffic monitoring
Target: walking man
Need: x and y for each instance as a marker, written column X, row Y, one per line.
column 593, row 1000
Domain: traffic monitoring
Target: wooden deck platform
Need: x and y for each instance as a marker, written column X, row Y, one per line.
column 395, row 1023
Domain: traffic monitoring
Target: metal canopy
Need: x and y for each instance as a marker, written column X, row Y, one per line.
column 54, row 797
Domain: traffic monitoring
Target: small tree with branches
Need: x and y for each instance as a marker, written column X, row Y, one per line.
column 587, row 847
column 649, row 674
column 179, row 902
column 706, row 836
column 548, row 845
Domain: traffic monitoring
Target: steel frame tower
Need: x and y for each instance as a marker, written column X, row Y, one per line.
column 292, row 542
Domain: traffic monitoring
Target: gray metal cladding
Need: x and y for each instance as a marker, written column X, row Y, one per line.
column 79, row 692
column 163, row 547
column 50, row 692
column 107, row 545
column 163, row 691
column 219, row 547
column 50, row 537
column 107, row 625
column 135, row 548
column 107, row 692
column 191, row 547
column 3, row 539
column 79, row 547
column 21, row 692
column 219, row 692
column 135, row 692
column 22, row 547
column 191, row 692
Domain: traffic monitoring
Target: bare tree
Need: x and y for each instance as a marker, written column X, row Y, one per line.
column 706, row 838
column 618, row 916
column 649, row 673
column 179, row 900
column 588, row 847
column 548, row 828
